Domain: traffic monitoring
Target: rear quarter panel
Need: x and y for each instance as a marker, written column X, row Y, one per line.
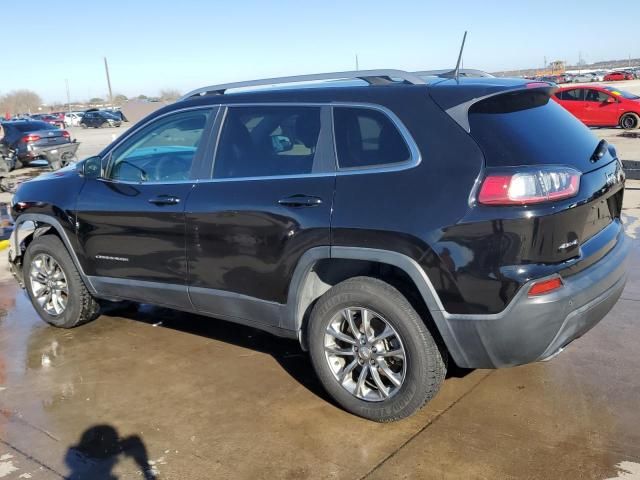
column 410, row 211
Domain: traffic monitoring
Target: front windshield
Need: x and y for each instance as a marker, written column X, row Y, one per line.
column 621, row 93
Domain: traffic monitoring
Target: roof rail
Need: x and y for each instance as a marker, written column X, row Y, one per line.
column 373, row 77
column 448, row 73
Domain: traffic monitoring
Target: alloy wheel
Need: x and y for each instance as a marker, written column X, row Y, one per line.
column 365, row 354
column 49, row 284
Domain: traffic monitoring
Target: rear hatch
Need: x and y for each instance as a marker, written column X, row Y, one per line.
column 520, row 128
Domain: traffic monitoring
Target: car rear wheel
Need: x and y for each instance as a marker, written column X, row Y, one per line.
column 629, row 121
column 54, row 285
column 83, row 125
column 372, row 352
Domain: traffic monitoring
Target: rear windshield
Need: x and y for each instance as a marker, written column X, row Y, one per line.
column 33, row 126
column 528, row 128
column 622, row 93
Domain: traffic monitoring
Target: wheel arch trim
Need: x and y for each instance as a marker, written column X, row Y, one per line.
column 49, row 222
column 296, row 297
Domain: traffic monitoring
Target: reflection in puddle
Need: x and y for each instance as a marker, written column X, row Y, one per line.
column 627, row 134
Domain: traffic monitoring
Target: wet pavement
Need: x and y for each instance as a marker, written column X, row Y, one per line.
column 153, row 393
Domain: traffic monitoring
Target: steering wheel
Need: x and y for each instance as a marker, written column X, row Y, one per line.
column 171, row 167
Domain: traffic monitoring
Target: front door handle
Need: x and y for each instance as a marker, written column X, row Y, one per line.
column 164, row 200
column 300, row 201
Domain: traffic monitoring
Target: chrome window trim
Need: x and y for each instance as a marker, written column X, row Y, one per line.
column 414, row 160
column 215, row 108
column 221, row 108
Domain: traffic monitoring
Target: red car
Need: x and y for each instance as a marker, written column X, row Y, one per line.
column 601, row 106
column 50, row 119
column 616, row 76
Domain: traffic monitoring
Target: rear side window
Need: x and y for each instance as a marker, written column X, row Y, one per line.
column 576, row 94
column 367, row 138
column 264, row 141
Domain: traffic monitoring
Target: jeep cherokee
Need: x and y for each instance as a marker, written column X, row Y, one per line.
column 389, row 221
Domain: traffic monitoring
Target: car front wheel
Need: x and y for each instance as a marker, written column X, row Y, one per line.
column 372, row 352
column 54, row 285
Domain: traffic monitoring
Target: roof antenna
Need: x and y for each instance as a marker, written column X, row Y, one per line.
column 456, row 72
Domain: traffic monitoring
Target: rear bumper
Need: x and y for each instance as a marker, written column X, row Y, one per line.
column 536, row 328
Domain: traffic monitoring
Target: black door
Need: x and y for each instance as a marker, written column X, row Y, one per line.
column 131, row 223
column 269, row 200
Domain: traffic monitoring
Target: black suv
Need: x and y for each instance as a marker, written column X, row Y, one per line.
column 99, row 119
column 390, row 227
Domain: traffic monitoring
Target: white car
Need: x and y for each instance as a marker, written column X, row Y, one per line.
column 73, row 118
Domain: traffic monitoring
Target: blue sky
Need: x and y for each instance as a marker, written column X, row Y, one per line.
column 155, row 44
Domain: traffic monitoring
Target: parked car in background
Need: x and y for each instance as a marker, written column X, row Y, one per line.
column 50, row 119
column 118, row 114
column 27, row 136
column 554, row 78
column 73, row 118
column 582, row 78
column 599, row 75
column 99, row 119
column 60, row 117
column 601, row 106
column 490, row 239
column 617, row 76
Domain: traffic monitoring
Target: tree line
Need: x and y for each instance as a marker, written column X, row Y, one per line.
column 27, row 101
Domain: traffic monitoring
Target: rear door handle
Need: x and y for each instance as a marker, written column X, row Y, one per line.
column 300, row 201
column 164, row 200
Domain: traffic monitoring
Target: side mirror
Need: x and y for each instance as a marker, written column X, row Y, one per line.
column 281, row 143
column 92, row 167
column 610, row 100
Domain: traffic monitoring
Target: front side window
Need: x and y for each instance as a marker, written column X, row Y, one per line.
column 264, row 141
column 162, row 151
column 596, row 96
column 367, row 138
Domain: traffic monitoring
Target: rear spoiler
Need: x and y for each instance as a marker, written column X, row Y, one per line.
column 457, row 101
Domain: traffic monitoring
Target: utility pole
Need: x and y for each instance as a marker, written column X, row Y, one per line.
column 357, row 64
column 66, row 81
column 106, row 69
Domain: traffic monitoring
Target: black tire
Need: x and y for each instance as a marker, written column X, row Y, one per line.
column 81, row 307
column 629, row 121
column 83, row 125
column 104, row 125
column 426, row 364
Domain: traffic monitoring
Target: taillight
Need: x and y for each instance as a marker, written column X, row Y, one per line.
column 30, row 138
column 546, row 286
column 537, row 185
column 66, row 134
